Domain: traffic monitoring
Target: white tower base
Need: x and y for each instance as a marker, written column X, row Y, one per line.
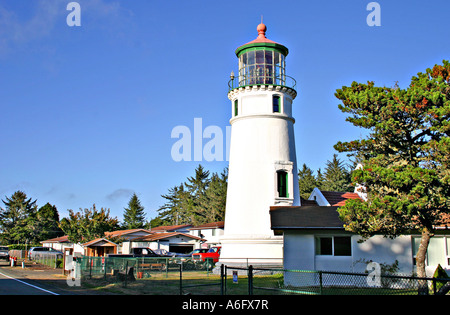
column 256, row 250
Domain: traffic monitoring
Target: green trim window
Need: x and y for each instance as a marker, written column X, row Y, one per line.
column 276, row 103
column 334, row 246
column 282, row 184
column 236, row 107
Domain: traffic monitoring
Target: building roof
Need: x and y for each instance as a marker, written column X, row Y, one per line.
column 212, row 225
column 61, row 239
column 125, row 232
column 99, row 240
column 159, row 236
column 336, row 198
column 263, row 41
column 305, row 217
column 169, row 228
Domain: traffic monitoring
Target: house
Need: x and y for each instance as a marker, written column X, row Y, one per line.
column 315, row 239
column 209, row 231
column 127, row 235
column 100, row 247
column 58, row 243
column 175, row 238
column 183, row 228
column 177, row 242
column 96, row 247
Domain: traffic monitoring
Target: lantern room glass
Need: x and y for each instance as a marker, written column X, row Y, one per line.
column 262, row 67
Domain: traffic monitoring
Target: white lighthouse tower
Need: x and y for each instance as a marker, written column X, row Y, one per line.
column 262, row 161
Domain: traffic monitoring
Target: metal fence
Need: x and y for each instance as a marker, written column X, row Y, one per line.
column 173, row 276
column 260, row 281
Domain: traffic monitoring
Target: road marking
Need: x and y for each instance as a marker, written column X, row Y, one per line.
column 36, row 287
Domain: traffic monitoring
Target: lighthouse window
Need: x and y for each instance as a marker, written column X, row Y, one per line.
column 236, row 107
column 261, row 66
column 276, row 103
column 282, row 183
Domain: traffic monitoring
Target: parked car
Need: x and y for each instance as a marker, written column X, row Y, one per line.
column 4, row 253
column 195, row 251
column 44, row 252
column 137, row 252
column 164, row 253
column 212, row 254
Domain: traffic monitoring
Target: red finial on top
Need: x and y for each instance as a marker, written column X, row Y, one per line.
column 262, row 28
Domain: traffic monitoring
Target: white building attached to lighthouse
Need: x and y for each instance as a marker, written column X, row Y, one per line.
column 262, row 161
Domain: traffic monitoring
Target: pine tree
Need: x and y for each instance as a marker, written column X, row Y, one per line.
column 18, row 218
column 134, row 215
column 405, row 158
column 212, row 203
column 337, row 178
column 201, row 199
column 48, row 221
column 306, row 181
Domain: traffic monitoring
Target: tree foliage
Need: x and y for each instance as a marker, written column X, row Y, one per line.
column 134, row 215
column 201, row 199
column 405, row 157
column 48, row 221
column 335, row 178
column 18, row 219
column 88, row 224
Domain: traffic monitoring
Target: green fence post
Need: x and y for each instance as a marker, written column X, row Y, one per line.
column 181, row 281
column 320, row 283
column 167, row 268
column 222, row 276
column 250, row 280
column 126, row 273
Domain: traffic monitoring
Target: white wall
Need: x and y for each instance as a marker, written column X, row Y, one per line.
column 299, row 253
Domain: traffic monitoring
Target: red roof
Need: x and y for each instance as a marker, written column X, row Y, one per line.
column 158, row 236
column 170, row 227
column 262, row 28
column 124, row 232
column 336, row 198
column 212, row 225
column 61, row 239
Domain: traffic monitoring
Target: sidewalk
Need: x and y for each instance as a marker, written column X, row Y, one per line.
column 50, row 278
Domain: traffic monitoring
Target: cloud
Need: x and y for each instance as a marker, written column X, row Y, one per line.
column 37, row 19
column 119, row 194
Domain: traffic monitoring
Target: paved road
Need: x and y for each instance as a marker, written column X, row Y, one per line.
column 9, row 285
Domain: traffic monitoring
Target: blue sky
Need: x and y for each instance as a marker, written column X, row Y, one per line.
column 86, row 113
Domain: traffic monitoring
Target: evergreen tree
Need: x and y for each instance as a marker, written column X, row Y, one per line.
column 134, row 215
column 405, row 158
column 212, row 204
column 18, row 219
column 320, row 179
column 177, row 207
column 48, row 222
column 306, row 181
column 201, row 199
column 337, row 178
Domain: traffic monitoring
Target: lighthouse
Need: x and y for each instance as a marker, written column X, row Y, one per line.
column 262, row 157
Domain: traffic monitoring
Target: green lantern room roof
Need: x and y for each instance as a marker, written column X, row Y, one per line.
column 262, row 42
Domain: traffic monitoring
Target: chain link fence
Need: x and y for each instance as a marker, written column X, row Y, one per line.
column 180, row 276
column 260, row 281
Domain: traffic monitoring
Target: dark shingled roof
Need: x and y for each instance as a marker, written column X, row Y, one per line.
column 305, row 217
